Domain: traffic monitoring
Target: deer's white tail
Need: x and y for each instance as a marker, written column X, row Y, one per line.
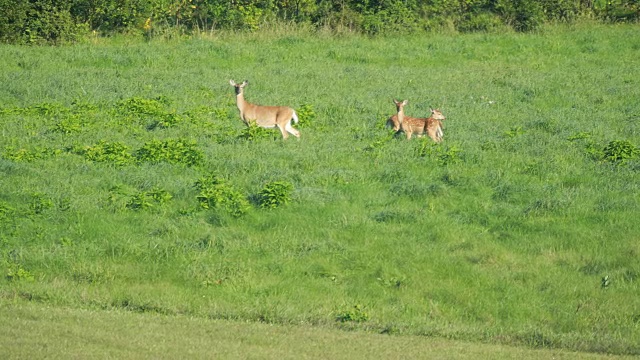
column 295, row 117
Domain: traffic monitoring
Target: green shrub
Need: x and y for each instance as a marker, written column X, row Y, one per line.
column 39, row 203
column 141, row 106
column 215, row 193
column 355, row 314
column 17, row 273
column 29, row 155
column 6, row 211
column 524, row 15
column 274, row 194
column 619, row 151
column 306, row 115
column 116, row 152
column 68, row 125
column 484, row 21
column 147, row 199
column 175, row 151
column 38, row 21
column 253, row 132
column 444, row 155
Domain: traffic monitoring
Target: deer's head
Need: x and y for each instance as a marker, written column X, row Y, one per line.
column 238, row 87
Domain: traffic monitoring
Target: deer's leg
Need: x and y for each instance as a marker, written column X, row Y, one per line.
column 433, row 133
column 291, row 129
column 283, row 131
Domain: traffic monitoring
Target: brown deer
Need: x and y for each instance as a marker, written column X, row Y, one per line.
column 410, row 125
column 265, row 116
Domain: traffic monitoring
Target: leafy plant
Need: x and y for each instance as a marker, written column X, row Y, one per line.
column 68, row 125
column 5, row 211
column 39, row 203
column 253, row 132
column 116, row 152
column 141, row 106
column 147, row 199
column 580, row 135
column 215, row 193
column 619, row 151
column 306, row 115
column 29, row 155
column 444, row 155
column 355, row 314
column 514, row 132
column 173, row 151
column 17, row 273
column 274, row 194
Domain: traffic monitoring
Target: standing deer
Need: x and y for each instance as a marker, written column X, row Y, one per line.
column 409, row 125
column 265, row 116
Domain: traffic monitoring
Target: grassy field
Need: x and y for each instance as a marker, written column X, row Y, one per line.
column 35, row 331
column 129, row 183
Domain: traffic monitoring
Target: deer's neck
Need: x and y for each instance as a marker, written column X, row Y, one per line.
column 240, row 102
column 400, row 116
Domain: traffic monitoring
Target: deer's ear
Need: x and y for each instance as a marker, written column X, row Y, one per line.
column 245, row 83
column 233, row 83
column 405, row 102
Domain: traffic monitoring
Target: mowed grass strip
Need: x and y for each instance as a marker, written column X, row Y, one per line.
column 33, row 331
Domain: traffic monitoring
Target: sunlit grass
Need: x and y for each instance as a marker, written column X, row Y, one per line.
column 514, row 230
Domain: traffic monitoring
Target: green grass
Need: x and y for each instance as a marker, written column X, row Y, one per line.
column 36, row 331
column 516, row 230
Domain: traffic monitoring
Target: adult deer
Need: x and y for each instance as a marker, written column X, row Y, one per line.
column 265, row 116
column 410, row 125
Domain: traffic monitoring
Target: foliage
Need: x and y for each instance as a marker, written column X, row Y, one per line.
column 39, row 203
column 215, row 192
column 354, row 314
column 142, row 106
column 146, row 199
column 29, row 155
column 443, row 154
column 69, row 125
column 39, row 21
column 523, row 15
column 619, row 151
column 6, row 211
column 57, row 21
column 114, row 152
column 253, row 132
column 275, row 194
column 18, row 273
column 306, row 115
column 175, row 151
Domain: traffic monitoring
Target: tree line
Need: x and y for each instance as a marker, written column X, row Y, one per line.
column 59, row 21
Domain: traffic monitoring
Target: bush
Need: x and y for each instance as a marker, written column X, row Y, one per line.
column 215, row 193
column 175, row 151
column 524, row 15
column 484, row 21
column 116, row 153
column 147, row 199
column 253, row 132
column 355, row 314
column 275, row 194
column 619, row 151
column 57, row 21
column 38, row 21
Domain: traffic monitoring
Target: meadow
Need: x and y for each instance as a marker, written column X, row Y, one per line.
column 129, row 183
